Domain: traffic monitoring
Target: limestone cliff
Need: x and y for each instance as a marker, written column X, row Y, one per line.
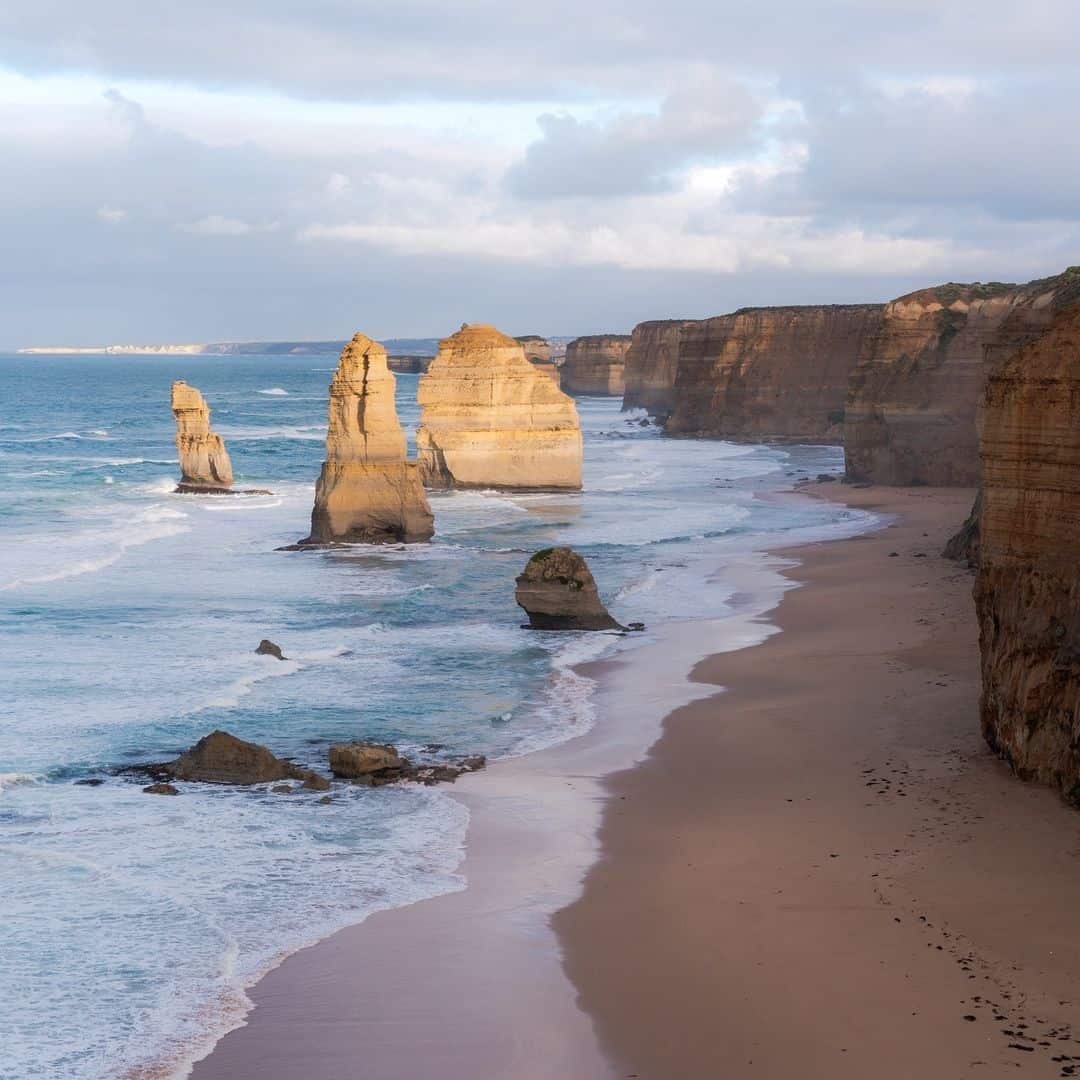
column 1027, row 589
column 367, row 491
column 652, row 360
column 596, row 365
column 204, row 462
column 537, row 349
column 489, row 418
column 770, row 372
column 912, row 404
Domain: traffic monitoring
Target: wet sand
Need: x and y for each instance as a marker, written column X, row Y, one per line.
column 818, row 871
column 822, row 872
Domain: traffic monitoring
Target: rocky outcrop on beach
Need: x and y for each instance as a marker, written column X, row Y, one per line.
column 489, row 418
column 651, row 365
column 963, row 545
column 769, row 373
column 377, row 764
column 204, row 462
column 1027, row 589
column 221, row 758
column 596, row 365
column 558, row 592
column 367, row 491
column 912, row 404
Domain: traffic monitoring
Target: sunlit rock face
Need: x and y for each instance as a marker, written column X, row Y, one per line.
column 489, row 418
column 652, row 363
column 596, row 365
column 769, row 373
column 367, row 491
column 204, row 462
column 1027, row 589
column 911, row 413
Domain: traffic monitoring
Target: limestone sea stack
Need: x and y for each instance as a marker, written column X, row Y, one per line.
column 490, row 419
column 596, row 365
column 204, row 463
column 769, row 373
column 652, row 362
column 914, row 395
column 367, row 491
column 558, row 592
column 1027, row 589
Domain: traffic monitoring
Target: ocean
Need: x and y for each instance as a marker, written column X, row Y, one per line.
column 130, row 925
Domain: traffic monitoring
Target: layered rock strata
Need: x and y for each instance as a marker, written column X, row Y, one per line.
column 596, row 365
column 489, row 418
column 558, row 592
column 769, row 373
column 367, row 491
column 204, row 462
column 912, row 404
column 651, row 365
column 537, row 349
column 1027, row 590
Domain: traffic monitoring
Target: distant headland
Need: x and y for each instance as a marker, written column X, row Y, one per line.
column 412, row 346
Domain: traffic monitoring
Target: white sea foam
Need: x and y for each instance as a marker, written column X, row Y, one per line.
column 275, row 391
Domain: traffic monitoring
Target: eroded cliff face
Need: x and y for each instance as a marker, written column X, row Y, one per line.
column 204, row 462
column 652, row 361
column 769, row 373
column 596, row 365
column 489, row 418
column 367, row 491
column 1027, row 589
column 911, row 414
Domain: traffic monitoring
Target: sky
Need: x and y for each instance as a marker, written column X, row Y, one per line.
column 262, row 169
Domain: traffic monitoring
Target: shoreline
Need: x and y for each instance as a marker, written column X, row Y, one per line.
column 822, row 871
column 533, row 823
column 617, row 921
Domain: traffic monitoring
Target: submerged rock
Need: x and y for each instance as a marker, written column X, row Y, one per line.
column 221, row 758
column 491, row 419
column 161, row 789
column 204, row 462
column 352, row 760
column 376, row 765
column 368, row 492
column 267, row 648
column 558, row 592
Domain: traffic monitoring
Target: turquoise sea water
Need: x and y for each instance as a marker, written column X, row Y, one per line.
column 130, row 924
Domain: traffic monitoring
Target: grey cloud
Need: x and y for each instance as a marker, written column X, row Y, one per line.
column 488, row 50
column 636, row 153
column 1009, row 154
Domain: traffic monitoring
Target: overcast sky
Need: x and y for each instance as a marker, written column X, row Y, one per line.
column 263, row 169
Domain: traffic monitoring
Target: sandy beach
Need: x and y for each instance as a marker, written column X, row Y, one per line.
column 817, row 871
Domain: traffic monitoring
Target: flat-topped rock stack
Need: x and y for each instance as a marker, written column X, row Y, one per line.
column 490, row 419
column 538, row 353
column 596, row 365
column 204, row 462
column 367, row 491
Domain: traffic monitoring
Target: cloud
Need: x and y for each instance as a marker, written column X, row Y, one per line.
column 111, row 215
column 633, row 152
column 216, row 225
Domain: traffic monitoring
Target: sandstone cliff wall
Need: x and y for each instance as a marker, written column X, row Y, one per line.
column 367, row 492
column 911, row 414
column 1028, row 583
column 596, row 365
column 204, row 462
column 769, row 373
column 489, row 418
column 652, row 360
column 536, row 348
